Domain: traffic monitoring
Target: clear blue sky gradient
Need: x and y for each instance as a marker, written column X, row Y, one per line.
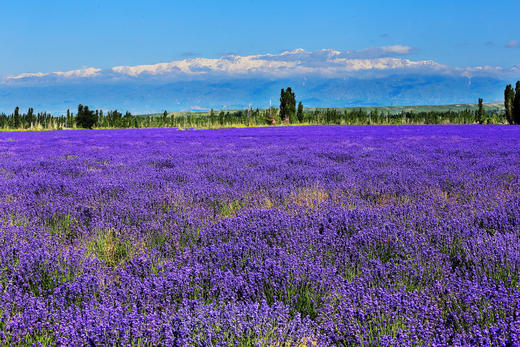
column 44, row 36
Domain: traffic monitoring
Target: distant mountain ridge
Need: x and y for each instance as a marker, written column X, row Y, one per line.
column 140, row 96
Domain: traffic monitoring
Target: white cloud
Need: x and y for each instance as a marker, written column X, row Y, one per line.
column 298, row 62
column 86, row 72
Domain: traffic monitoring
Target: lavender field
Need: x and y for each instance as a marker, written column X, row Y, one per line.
column 327, row 235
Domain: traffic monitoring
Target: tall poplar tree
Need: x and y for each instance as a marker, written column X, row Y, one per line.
column 287, row 105
column 480, row 111
column 16, row 118
column 299, row 114
column 291, row 105
column 516, row 104
column 283, row 104
column 509, row 96
column 30, row 117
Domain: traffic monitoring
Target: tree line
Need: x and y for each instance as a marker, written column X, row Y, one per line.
column 512, row 103
column 84, row 118
column 286, row 113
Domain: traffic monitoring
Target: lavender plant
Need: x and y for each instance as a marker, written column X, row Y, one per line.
column 329, row 235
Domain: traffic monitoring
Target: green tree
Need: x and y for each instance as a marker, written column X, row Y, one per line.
column 69, row 119
column 480, row 112
column 270, row 118
column 516, row 104
column 86, row 118
column 283, row 104
column 509, row 96
column 287, row 105
column 164, row 117
column 291, row 105
column 30, row 117
column 16, row 118
column 299, row 114
column 211, row 119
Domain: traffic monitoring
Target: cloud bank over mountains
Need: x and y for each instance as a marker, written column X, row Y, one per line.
column 321, row 76
column 298, row 62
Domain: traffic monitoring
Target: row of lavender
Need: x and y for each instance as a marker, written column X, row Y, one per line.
column 405, row 235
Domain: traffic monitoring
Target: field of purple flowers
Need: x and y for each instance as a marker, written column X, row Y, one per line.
column 329, row 235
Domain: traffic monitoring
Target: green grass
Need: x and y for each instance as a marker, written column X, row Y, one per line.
column 301, row 297
column 110, row 248
column 63, row 227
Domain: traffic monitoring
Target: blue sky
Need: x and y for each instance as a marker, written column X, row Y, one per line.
column 38, row 36
column 145, row 56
